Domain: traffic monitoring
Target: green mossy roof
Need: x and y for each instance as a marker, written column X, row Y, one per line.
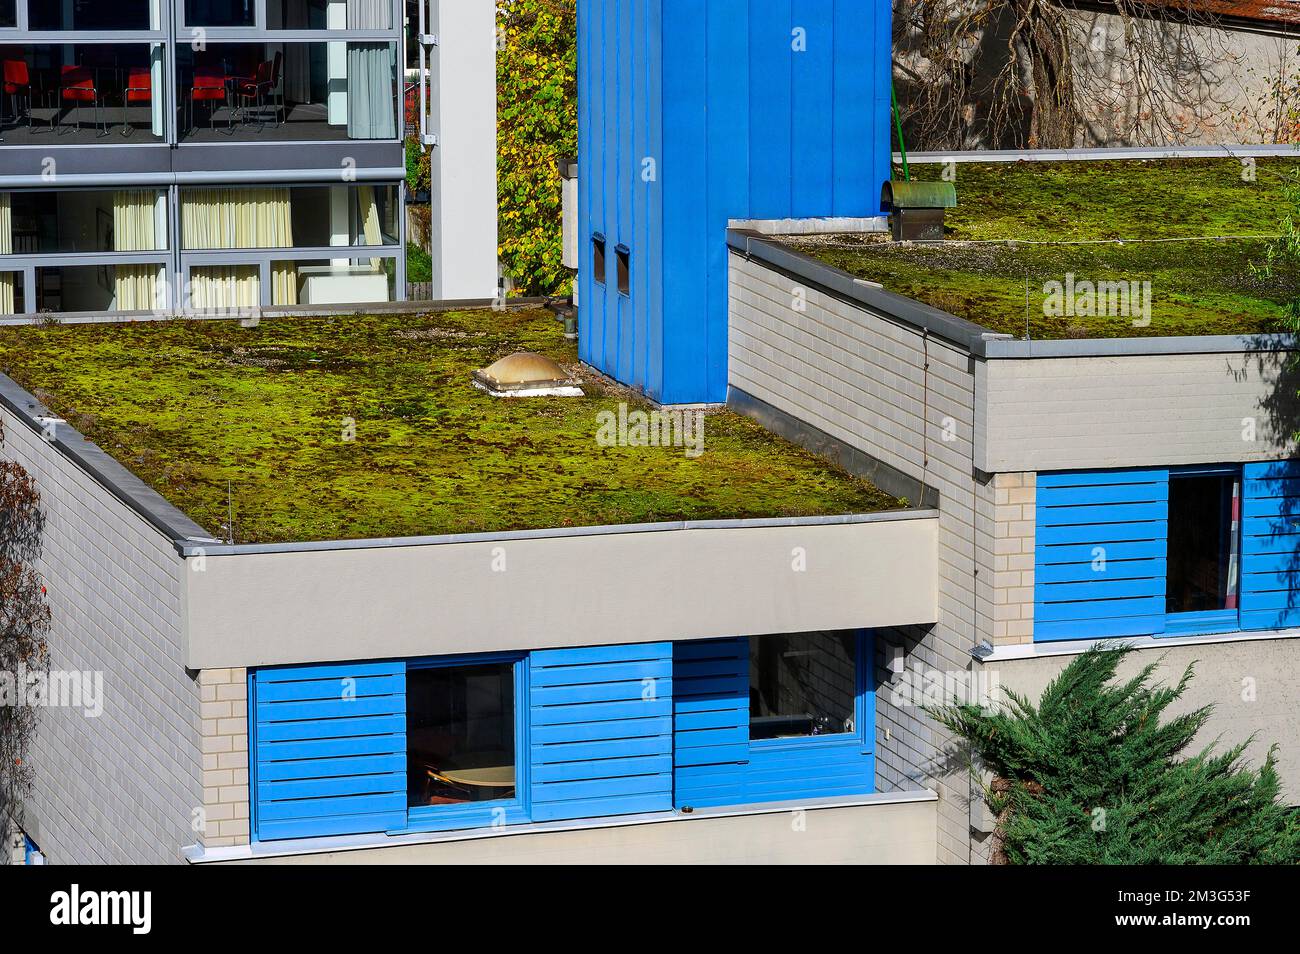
column 1197, row 288
column 190, row 405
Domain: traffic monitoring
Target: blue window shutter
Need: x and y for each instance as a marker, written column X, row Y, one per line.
column 1270, row 545
column 1100, row 554
column 600, row 731
column 710, row 721
column 329, row 745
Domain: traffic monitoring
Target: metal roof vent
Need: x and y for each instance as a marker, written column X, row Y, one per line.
column 916, row 209
column 526, row 374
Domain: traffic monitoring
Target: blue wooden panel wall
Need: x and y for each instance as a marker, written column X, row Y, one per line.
column 1100, row 567
column 601, row 731
column 329, row 747
column 739, row 124
column 711, row 721
column 1270, row 545
column 717, row 764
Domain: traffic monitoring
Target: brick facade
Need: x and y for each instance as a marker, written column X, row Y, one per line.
column 224, row 743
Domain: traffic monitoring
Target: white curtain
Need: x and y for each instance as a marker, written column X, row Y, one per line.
column 370, row 222
column 241, row 218
column 7, row 279
column 236, row 218
column 225, row 287
column 368, row 15
column 372, row 95
column 134, row 230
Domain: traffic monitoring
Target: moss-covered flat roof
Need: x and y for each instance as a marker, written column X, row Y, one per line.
column 189, row 405
column 1127, row 220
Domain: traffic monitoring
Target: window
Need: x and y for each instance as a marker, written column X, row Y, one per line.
column 622, row 256
column 219, row 13
column 287, row 92
column 78, row 94
column 598, row 258
column 8, row 13
column 91, row 15
column 802, row 684
column 1203, row 552
column 460, row 734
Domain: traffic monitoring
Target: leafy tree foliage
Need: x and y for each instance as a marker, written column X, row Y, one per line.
column 537, row 125
column 24, row 624
column 1093, row 774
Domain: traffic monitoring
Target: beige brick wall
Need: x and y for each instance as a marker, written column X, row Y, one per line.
column 1013, row 558
column 224, row 744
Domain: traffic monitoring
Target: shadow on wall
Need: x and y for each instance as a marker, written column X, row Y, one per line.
column 1280, row 427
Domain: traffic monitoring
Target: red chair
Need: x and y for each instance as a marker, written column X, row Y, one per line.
column 139, row 89
column 18, row 82
column 209, row 87
column 259, row 91
column 78, row 86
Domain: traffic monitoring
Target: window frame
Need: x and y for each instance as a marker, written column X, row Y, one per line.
column 512, row 811
column 862, row 711
column 260, row 31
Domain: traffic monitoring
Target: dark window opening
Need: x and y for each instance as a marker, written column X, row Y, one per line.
column 8, row 13
column 1202, row 546
column 460, row 734
column 802, row 684
column 623, row 256
column 598, row 258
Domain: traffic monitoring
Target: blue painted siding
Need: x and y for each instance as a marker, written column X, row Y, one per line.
column 1099, row 567
column 738, row 124
column 328, row 746
column 711, row 721
column 1270, row 545
column 718, row 764
column 601, row 731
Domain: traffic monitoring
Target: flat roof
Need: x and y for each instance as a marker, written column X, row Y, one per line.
column 1079, row 249
column 194, row 407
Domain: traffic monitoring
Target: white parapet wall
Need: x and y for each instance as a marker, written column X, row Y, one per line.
column 1135, row 403
column 464, row 161
column 894, row 828
column 251, row 606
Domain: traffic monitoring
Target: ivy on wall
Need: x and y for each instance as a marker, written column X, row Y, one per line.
column 537, row 126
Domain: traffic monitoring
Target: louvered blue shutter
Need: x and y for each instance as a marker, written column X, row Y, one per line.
column 1100, row 554
column 710, row 721
column 601, row 731
column 1270, row 545
column 329, row 745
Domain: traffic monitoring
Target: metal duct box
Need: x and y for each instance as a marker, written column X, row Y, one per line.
column 916, row 209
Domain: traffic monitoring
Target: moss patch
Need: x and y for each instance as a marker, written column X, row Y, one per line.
column 190, row 405
column 1196, row 288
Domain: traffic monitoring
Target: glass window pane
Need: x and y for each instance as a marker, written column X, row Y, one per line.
column 8, row 13
column 289, row 216
column 333, row 282
column 802, row 684
column 100, row 288
column 93, row 15
column 125, row 220
column 328, row 15
column 219, row 13
column 11, row 293
column 460, row 734
column 278, row 92
column 83, row 94
column 1202, row 544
